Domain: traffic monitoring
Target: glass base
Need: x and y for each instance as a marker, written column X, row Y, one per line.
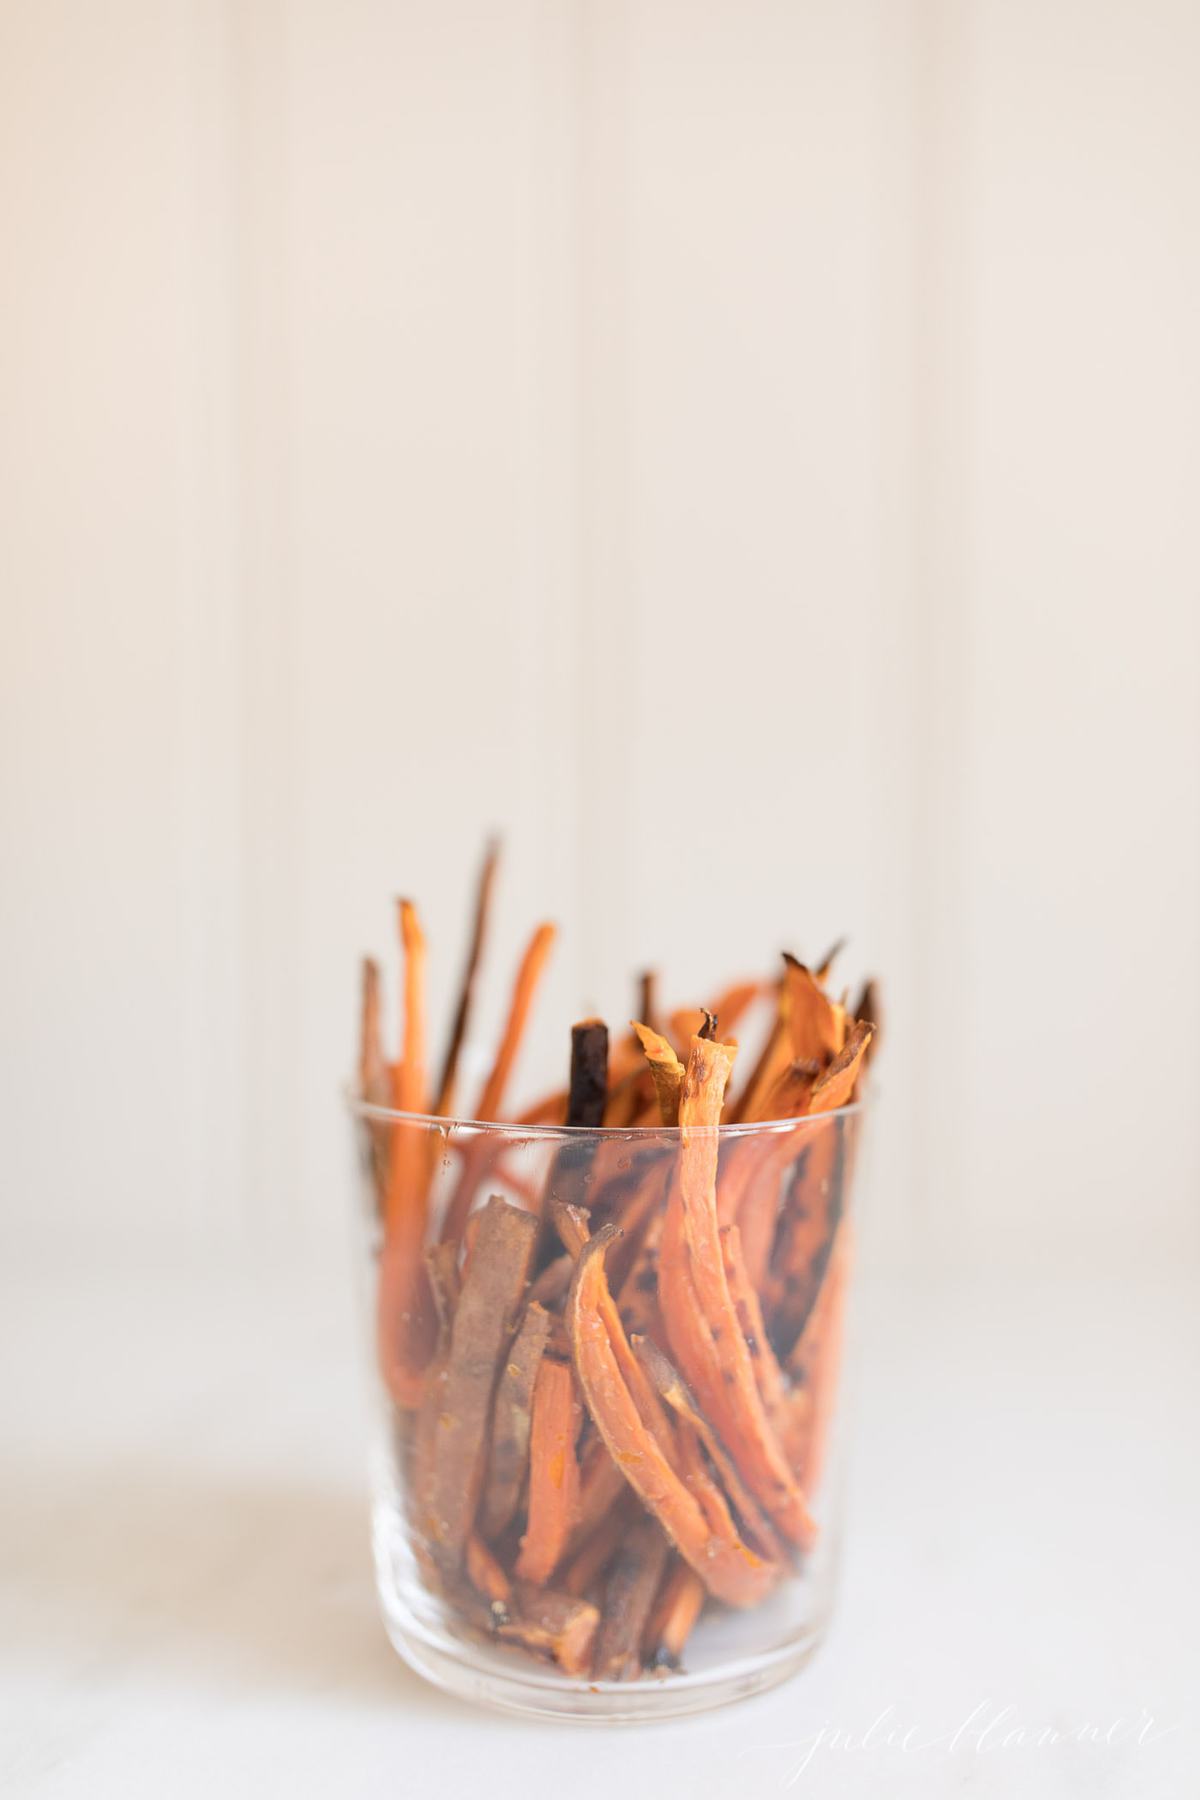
column 433, row 1643
column 595, row 1702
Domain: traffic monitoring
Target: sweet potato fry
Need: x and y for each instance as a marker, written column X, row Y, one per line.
column 447, row 1083
column 676, row 1609
column 529, row 975
column 675, row 1391
column 815, row 1363
column 730, row 1569
column 700, row 1318
column 406, row 1322
column 746, row 1304
column 508, row 1453
column 493, row 1283
column 633, row 1580
column 553, row 1472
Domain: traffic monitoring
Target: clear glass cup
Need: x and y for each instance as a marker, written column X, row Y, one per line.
column 605, row 1616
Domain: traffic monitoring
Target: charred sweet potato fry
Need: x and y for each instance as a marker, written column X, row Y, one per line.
column 730, row 1569
column 553, row 1472
column 675, row 1391
column 589, row 1072
column 444, row 1104
column 493, row 1284
column 633, row 1579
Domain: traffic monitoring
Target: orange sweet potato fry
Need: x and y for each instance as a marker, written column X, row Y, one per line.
column 730, row 1569
column 698, row 1312
column 406, row 1321
column 553, row 1473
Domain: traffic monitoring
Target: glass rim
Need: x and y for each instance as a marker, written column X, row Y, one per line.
column 369, row 1110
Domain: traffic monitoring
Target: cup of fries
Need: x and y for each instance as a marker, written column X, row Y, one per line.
column 608, row 1335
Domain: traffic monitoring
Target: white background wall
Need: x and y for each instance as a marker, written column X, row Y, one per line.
column 748, row 452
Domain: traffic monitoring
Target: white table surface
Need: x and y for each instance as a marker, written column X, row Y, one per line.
column 186, row 1604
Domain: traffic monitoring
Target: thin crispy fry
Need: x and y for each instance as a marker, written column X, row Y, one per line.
column 493, row 1283
column 633, row 1580
column 508, row 1453
column 700, row 1318
column 553, row 1472
column 446, row 1084
column 731, row 1570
